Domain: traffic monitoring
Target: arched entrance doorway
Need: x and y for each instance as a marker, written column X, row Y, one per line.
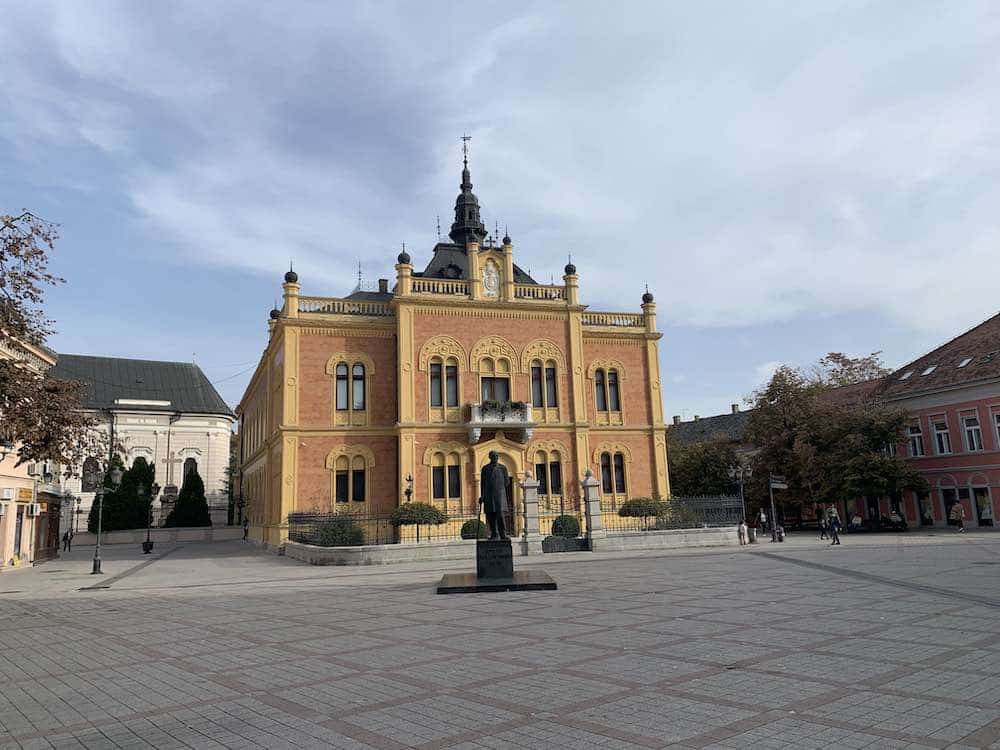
column 511, row 455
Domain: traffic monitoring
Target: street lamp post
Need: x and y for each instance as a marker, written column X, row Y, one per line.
column 147, row 546
column 116, row 479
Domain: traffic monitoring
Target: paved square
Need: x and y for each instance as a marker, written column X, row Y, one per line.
column 884, row 642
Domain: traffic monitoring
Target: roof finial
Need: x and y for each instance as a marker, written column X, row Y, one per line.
column 439, row 227
column 465, row 149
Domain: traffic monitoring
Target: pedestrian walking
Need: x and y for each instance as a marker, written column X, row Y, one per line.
column 823, row 526
column 763, row 521
column 958, row 516
column 246, row 529
column 835, row 530
column 67, row 542
column 742, row 531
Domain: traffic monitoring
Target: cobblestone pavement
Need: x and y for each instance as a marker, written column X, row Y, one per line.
column 889, row 642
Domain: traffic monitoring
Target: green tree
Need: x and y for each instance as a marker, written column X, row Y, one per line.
column 128, row 505
column 701, row 468
column 39, row 415
column 191, row 508
column 829, row 448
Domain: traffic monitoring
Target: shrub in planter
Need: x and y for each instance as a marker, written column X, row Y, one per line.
column 567, row 527
column 474, row 529
column 340, row 532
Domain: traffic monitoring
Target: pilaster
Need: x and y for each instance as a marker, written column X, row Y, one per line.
column 508, row 272
column 475, row 270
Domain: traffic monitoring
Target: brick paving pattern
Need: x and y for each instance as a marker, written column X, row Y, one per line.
column 894, row 643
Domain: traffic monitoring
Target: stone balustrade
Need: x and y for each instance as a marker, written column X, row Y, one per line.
column 614, row 319
column 336, row 306
column 440, row 286
column 543, row 292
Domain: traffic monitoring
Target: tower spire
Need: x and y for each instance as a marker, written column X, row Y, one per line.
column 467, row 225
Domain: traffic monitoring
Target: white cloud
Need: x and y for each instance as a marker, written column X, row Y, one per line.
column 817, row 166
column 765, row 370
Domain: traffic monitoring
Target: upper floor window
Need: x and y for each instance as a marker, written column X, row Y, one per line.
column 916, row 440
column 973, row 433
column 942, row 438
column 494, row 379
column 996, row 420
column 443, row 382
column 351, row 377
column 606, row 393
column 544, row 388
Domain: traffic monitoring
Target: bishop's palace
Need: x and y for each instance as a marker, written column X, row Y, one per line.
column 363, row 402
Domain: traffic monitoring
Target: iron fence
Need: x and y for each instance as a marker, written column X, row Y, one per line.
column 676, row 513
column 358, row 529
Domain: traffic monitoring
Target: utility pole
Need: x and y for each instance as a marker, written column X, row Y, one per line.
column 775, row 482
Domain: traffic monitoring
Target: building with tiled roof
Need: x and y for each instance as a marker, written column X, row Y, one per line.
column 167, row 412
column 953, row 395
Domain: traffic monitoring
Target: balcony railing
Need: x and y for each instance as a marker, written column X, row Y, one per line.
column 334, row 306
column 614, row 320
column 441, row 286
column 514, row 417
column 539, row 291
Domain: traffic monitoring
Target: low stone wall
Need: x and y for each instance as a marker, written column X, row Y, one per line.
column 667, row 539
column 383, row 554
column 173, row 535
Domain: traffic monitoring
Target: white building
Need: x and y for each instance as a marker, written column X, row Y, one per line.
column 167, row 412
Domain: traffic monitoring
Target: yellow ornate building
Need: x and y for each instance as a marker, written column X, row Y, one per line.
column 358, row 400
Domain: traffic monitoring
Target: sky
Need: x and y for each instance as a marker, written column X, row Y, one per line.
column 789, row 179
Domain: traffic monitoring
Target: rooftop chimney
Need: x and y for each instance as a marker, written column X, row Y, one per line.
column 677, row 419
column 696, row 417
column 383, row 287
column 736, row 408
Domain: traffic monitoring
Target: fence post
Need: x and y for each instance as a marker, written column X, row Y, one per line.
column 592, row 507
column 531, row 542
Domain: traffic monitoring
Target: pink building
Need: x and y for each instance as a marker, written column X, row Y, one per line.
column 953, row 395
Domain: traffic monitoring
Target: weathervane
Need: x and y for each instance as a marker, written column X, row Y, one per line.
column 439, row 227
column 465, row 149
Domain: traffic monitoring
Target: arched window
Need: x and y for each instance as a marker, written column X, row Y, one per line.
column 544, row 388
column 600, row 390
column 190, row 465
column 349, row 469
column 342, row 387
column 494, row 379
column 91, row 475
column 446, row 476
column 613, row 475
column 614, row 403
column 443, row 382
column 351, row 373
column 358, row 387
column 548, row 472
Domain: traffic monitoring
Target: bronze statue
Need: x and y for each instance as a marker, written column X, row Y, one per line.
column 493, row 495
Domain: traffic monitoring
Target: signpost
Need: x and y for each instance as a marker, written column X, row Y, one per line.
column 776, row 483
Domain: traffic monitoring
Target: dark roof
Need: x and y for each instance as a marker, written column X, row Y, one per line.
column 728, row 426
column 452, row 262
column 979, row 345
column 362, row 296
column 183, row 384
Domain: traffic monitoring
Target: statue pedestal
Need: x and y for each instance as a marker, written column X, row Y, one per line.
column 494, row 558
column 495, row 572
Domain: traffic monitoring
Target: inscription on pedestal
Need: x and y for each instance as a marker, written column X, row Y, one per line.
column 494, row 559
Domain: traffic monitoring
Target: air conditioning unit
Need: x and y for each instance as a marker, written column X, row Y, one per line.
column 34, row 509
column 32, row 469
column 7, row 493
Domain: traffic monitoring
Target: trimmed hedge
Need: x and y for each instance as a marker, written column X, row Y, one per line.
column 642, row 507
column 474, row 529
column 340, row 532
column 417, row 514
column 567, row 527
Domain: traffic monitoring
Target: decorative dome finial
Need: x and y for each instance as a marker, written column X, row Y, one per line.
column 403, row 257
column 647, row 297
column 290, row 276
column 570, row 268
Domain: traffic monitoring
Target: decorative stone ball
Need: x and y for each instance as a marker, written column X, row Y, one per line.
column 291, row 277
column 570, row 269
column 403, row 257
column 506, row 239
column 275, row 313
column 647, row 298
